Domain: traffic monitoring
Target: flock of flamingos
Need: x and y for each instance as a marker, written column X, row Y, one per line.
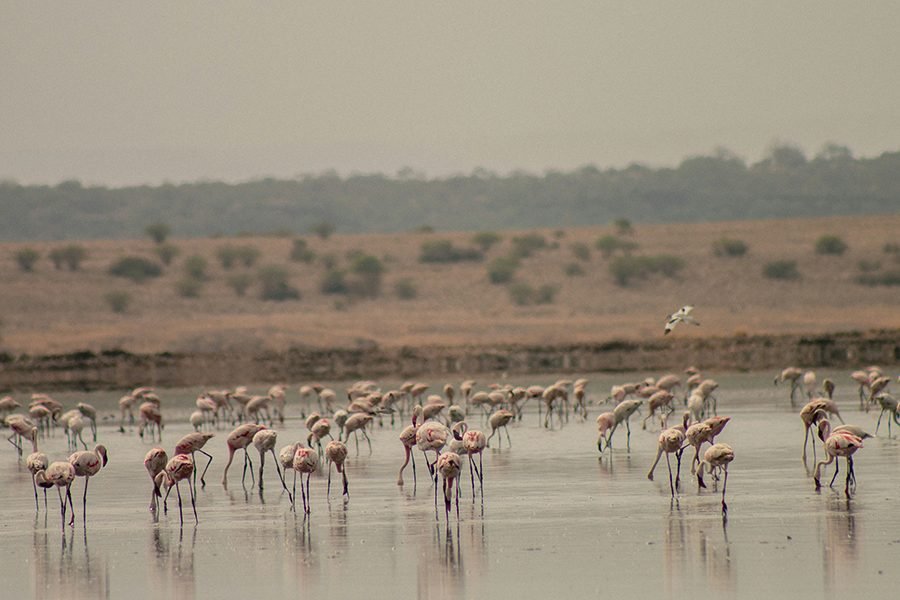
column 439, row 426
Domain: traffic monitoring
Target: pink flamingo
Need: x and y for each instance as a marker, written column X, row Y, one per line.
column 155, row 462
column 151, row 418
column 355, row 423
column 264, row 441
column 432, row 436
column 670, row 441
column 473, row 442
column 194, row 442
column 499, row 419
column 61, row 474
column 180, row 468
column 408, row 439
column 336, row 452
column 305, row 461
column 239, row 439
column 87, row 463
column 839, row 443
column 37, row 461
column 448, row 465
column 717, row 456
column 810, row 413
column 21, row 428
column 605, row 422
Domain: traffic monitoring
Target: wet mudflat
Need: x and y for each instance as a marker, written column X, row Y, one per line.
column 555, row 520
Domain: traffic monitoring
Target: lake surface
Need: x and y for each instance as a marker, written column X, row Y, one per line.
column 556, row 520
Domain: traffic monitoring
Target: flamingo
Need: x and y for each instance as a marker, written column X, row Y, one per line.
column 474, row 442
column 336, row 452
column 623, row 412
column 862, row 380
column 155, row 462
column 194, row 442
column 605, row 422
column 448, row 465
column 717, row 456
column 21, row 428
column 500, row 418
column 658, row 401
column 61, row 474
column 151, row 418
column 89, row 412
column 179, row 468
column 810, row 413
column 37, row 461
column 792, row 374
column 670, row 441
column 408, row 439
column 87, row 463
column 357, row 422
column 837, row 444
column 264, row 441
column 239, row 439
column 319, row 429
column 305, row 461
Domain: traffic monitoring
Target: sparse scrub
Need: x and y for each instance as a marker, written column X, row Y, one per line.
column 891, row 248
column 247, row 255
column 195, row 267
column 334, row 282
column 526, row 245
column 227, row 255
column 623, row 227
column 189, row 287
column 830, row 245
column 275, row 285
column 300, row 251
column 158, row 232
column 574, row 270
column 781, row 269
column 443, row 251
column 26, row 258
column 626, row 269
column 167, row 253
column 239, row 282
column 485, row 240
column 521, row 293
column 868, row 266
column 118, row 300
column 405, row 289
column 581, row 251
column 70, row 256
column 729, row 247
column 883, row 278
column 368, row 271
column 323, row 229
column 503, row 269
column 135, row 268
column 546, row 294
column 610, row 244
column 329, row 261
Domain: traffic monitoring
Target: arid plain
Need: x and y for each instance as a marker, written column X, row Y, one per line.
column 56, row 310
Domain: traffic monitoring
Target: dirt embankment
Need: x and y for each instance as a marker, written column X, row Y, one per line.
column 119, row 369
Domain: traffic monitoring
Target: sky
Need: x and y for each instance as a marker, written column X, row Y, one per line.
column 134, row 92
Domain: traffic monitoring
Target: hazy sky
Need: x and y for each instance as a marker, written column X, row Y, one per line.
column 121, row 92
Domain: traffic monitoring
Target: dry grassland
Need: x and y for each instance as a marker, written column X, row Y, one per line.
column 52, row 311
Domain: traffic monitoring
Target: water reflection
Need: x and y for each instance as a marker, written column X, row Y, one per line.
column 173, row 560
column 697, row 549
column 840, row 552
column 70, row 572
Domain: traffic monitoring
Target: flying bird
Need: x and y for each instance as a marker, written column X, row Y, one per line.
column 682, row 316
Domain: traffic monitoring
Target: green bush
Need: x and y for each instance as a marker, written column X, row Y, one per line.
column 227, row 255
column 581, row 251
column 781, row 269
column 118, row 300
column 70, row 256
column 666, row 264
column 239, row 282
column 885, row 278
column 443, row 251
column 323, row 229
column 195, row 267
column 367, row 271
column 868, row 266
column 247, row 255
column 526, row 245
column 329, row 261
column 503, row 269
column 623, row 227
column 167, row 253
column 300, row 251
column 574, row 270
column 406, row 289
column 158, row 232
column 25, row 258
column 830, row 244
column 189, row 287
column 275, row 285
column 521, row 293
column 546, row 294
column 628, row 268
column 135, row 268
column 891, row 248
column 729, row 247
column 485, row 240
column 334, row 282
column 610, row 244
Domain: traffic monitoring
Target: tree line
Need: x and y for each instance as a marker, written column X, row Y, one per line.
column 720, row 186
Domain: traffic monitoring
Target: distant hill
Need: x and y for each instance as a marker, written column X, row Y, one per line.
column 704, row 188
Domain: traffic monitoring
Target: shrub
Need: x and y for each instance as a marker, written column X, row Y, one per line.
column 135, row 268
column 574, row 270
column 329, row 261
column 367, row 271
column 334, row 282
column 521, row 293
column 886, row 278
column 830, row 244
column 443, row 251
column 868, row 266
column 167, row 253
column 610, row 244
column 502, row 270
column 891, row 248
column 26, row 257
column 729, row 247
column 781, row 269
column 323, row 229
column 247, row 255
column 227, row 255
column 195, row 267
column 239, row 282
column 626, row 269
column 546, row 294
column 485, row 240
column 274, row 284
column 189, row 287
column 71, row 256
column 158, row 232
column 666, row 264
column 118, row 300
column 300, row 251
column 526, row 245
column 581, row 251
column 623, row 227
column 406, row 289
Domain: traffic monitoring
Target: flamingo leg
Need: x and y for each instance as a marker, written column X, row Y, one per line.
column 71, row 505
column 724, row 485
column 669, row 464
column 193, row 502
column 180, row 515
column 84, row 501
column 328, row 494
column 280, row 474
column 62, row 507
column 294, row 497
column 509, row 441
column 678, row 469
column 408, row 451
column 628, row 427
column 369, row 441
column 308, row 497
column 837, row 467
column 346, row 483
column 849, row 476
column 36, row 506
column 472, row 475
column 203, row 475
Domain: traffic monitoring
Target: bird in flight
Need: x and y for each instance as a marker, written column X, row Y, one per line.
column 682, row 316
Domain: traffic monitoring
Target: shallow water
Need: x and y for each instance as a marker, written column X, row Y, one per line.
column 556, row 520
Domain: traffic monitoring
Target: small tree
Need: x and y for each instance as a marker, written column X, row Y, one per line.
column 118, row 300
column 300, row 251
column 782, row 269
column 189, row 287
column 623, row 227
column 443, row 251
column 135, row 268
column 227, row 255
column 195, row 267
column 167, row 253
column 323, row 229
column 334, row 282
column 406, row 289
column 830, row 244
column 581, row 251
column 610, row 244
column 502, row 270
column 485, row 240
column 239, row 282
column 158, row 232
column 546, row 294
column 573, row 270
column 26, row 257
column 729, row 247
column 367, row 271
column 247, row 255
column 275, row 285
column 525, row 245
column 521, row 293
